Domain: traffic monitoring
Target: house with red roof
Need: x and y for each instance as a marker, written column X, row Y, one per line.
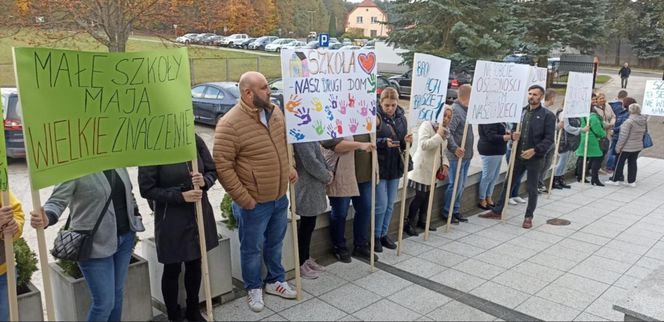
column 370, row 18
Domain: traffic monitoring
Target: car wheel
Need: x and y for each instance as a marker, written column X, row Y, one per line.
column 186, row 42
column 278, row 50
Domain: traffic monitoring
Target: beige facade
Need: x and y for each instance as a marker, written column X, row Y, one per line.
column 368, row 19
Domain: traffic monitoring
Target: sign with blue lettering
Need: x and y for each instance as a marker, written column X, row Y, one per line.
column 324, row 40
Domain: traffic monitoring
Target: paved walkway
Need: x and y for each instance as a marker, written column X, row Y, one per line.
column 485, row 270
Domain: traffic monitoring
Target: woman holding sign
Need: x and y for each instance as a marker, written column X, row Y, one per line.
column 11, row 221
column 391, row 142
column 170, row 192
column 104, row 198
column 594, row 152
column 432, row 138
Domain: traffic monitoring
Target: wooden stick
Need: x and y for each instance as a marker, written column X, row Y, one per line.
column 555, row 161
column 41, row 238
column 10, row 263
column 456, row 181
column 510, row 174
column 432, row 190
column 585, row 154
column 293, row 205
column 374, row 164
column 404, row 195
column 203, row 246
column 43, row 260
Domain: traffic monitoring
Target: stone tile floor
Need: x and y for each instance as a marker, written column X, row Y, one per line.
column 574, row 272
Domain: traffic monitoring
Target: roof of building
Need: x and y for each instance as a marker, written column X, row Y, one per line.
column 367, row 3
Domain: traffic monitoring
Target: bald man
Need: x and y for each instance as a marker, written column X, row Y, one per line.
column 459, row 156
column 251, row 158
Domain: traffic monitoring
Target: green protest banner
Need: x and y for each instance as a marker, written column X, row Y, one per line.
column 4, row 179
column 84, row 112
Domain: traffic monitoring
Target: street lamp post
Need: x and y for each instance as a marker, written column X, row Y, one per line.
column 175, row 29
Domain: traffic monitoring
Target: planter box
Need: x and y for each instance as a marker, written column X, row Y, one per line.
column 287, row 258
column 72, row 296
column 219, row 267
column 30, row 305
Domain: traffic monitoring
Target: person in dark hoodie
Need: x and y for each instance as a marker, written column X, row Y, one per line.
column 391, row 137
column 629, row 145
column 170, row 192
column 624, row 73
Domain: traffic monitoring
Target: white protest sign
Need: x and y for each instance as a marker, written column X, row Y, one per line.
column 537, row 77
column 579, row 95
column 328, row 93
column 429, row 89
column 653, row 98
column 497, row 93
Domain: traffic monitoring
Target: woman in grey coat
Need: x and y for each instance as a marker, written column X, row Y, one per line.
column 106, row 194
column 314, row 175
column 630, row 144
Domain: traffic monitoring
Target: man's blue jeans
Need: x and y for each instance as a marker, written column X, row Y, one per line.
column 361, row 221
column 386, row 193
column 465, row 164
column 106, row 279
column 613, row 157
column 262, row 230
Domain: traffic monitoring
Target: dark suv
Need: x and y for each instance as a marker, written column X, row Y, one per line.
column 12, row 123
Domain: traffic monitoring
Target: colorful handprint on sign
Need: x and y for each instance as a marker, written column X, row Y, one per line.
column 297, row 134
column 318, row 106
column 318, row 127
column 303, row 114
column 353, row 125
column 293, row 102
column 331, row 131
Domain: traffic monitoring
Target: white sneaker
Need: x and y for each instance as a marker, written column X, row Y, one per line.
column 513, row 202
column 519, row 200
column 280, row 289
column 633, row 184
column 315, row 266
column 307, row 272
column 612, row 183
column 255, row 300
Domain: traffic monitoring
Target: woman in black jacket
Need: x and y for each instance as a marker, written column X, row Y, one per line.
column 169, row 190
column 492, row 148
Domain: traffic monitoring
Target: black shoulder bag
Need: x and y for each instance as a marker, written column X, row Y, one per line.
column 76, row 245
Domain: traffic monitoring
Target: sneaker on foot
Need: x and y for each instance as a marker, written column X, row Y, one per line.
column 342, row 254
column 315, row 266
column 633, row 184
column 519, row 200
column 308, row 273
column 363, row 252
column 255, row 300
column 280, row 289
column 612, row 183
column 513, row 202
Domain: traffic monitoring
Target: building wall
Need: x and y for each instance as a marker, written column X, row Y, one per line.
column 366, row 13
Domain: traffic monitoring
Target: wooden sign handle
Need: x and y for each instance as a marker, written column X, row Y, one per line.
column 10, row 263
column 293, row 206
column 203, row 247
column 456, row 181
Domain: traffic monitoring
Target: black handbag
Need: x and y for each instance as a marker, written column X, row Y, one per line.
column 76, row 245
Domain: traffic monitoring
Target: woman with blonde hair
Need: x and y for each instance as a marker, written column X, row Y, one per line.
column 391, row 137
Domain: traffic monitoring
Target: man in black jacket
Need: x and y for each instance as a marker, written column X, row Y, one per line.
column 533, row 141
column 624, row 73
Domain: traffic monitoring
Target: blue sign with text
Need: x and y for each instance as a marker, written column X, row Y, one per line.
column 324, row 40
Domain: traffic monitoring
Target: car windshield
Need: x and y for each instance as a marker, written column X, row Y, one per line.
column 382, row 82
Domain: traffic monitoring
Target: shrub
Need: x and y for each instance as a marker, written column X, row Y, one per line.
column 26, row 264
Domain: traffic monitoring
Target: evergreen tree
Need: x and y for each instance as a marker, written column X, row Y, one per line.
column 332, row 29
column 648, row 35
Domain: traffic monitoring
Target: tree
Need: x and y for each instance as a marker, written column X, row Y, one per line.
column 648, row 34
column 448, row 28
column 332, row 29
column 623, row 15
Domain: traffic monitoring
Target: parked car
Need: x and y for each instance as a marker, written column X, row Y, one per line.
column 208, row 39
column 294, row 45
column 312, row 45
column 200, row 38
column 404, row 82
column 234, row 38
column 277, row 89
column 371, row 44
column 186, row 38
column 261, row 42
column 383, row 83
column 276, row 45
column 350, row 47
column 12, row 125
column 520, row 58
column 216, row 40
column 334, row 41
column 211, row 101
column 244, row 44
column 335, row 46
column 346, row 41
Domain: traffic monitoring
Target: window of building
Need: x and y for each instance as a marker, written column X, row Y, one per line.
column 374, row 19
column 374, row 33
column 359, row 19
